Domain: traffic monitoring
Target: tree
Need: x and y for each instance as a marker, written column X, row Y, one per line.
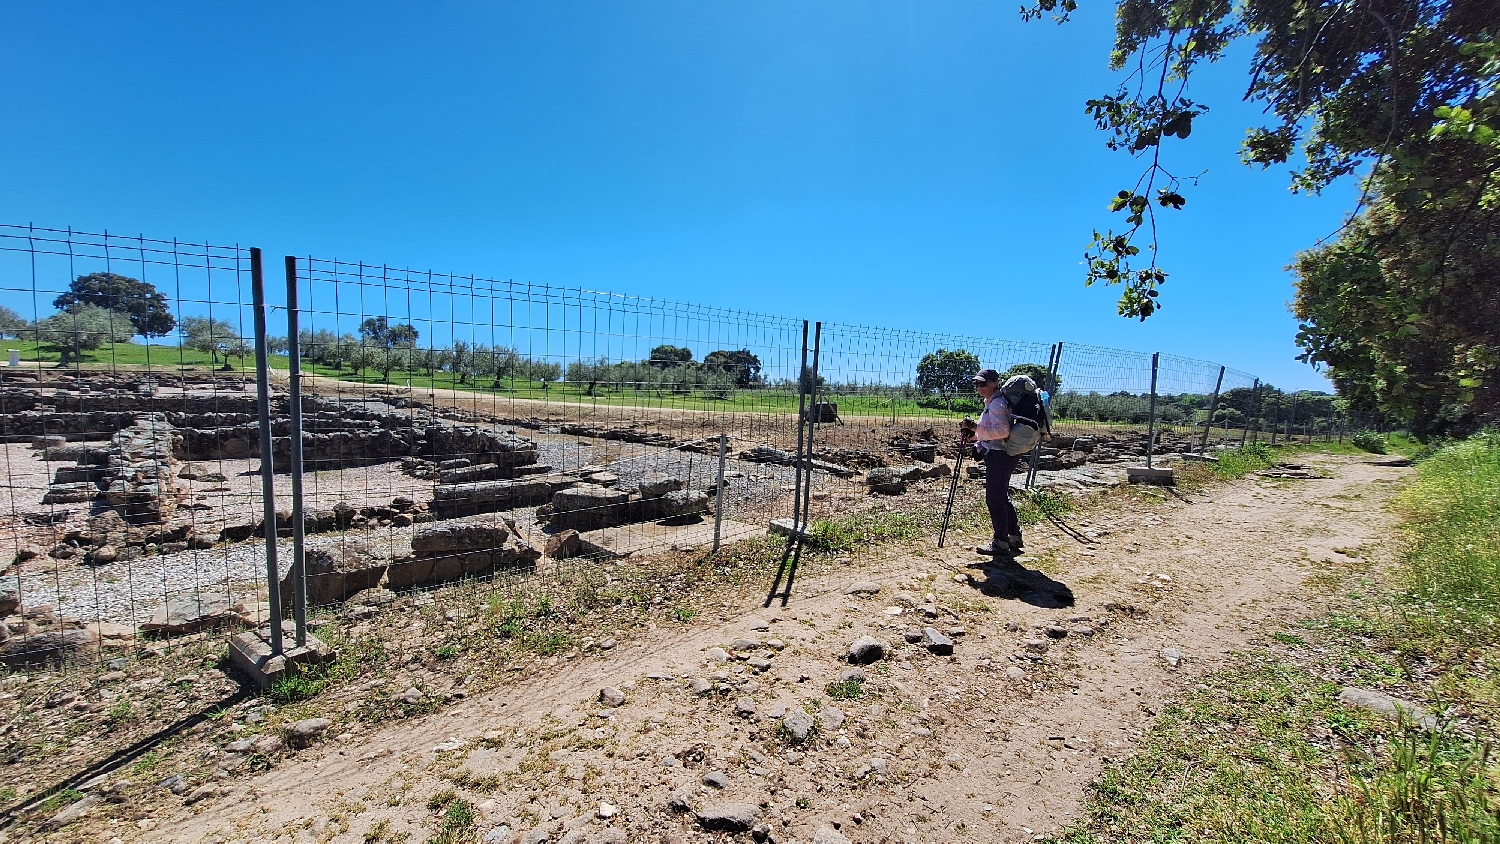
column 668, row 355
column 378, row 332
column 213, row 337
column 84, row 328
column 742, row 364
column 1404, row 310
column 1345, row 84
column 12, row 324
column 1036, row 372
column 146, row 307
column 947, row 373
column 805, row 380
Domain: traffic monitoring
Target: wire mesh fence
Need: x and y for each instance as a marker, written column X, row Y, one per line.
column 450, row 430
column 559, row 423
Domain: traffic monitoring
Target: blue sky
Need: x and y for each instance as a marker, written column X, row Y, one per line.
column 917, row 165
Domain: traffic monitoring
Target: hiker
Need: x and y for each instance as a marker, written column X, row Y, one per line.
column 988, row 436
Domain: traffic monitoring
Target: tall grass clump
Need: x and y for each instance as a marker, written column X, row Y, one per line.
column 1435, row 788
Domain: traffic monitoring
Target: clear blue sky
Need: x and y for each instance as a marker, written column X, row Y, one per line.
column 923, row 165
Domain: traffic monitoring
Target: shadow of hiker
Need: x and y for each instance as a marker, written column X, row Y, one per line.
column 1012, row 581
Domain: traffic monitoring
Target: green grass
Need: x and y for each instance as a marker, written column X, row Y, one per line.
column 844, row 690
column 1262, row 751
column 123, row 354
column 1452, row 516
column 459, row 818
column 66, row 797
column 1237, row 761
column 1041, row 504
column 864, row 528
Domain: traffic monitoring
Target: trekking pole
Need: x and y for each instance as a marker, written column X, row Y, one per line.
column 952, row 491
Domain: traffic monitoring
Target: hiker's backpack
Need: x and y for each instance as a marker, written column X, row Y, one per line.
column 1029, row 421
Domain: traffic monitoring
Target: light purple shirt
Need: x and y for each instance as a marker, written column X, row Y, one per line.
column 994, row 423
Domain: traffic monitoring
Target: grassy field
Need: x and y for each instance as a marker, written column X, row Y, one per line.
column 1263, row 752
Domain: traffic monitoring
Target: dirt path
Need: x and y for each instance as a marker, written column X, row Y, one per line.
column 995, row 743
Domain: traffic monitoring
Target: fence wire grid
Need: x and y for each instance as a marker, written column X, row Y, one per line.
column 460, row 429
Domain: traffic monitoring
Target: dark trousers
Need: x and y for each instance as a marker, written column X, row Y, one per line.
column 998, row 467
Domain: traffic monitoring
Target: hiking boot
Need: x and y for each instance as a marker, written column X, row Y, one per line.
column 1015, row 543
column 994, row 548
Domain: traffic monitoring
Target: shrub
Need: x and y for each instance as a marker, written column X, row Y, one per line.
column 1369, row 441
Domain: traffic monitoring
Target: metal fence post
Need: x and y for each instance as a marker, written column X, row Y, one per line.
column 267, row 468
column 294, row 370
column 1213, row 405
column 812, row 425
column 1036, row 453
column 1151, row 412
column 1255, row 393
column 801, row 423
column 719, row 495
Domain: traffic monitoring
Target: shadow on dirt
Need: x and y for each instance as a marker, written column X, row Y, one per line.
column 1003, row 578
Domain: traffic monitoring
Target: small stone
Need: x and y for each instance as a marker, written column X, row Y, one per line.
column 304, row 731
column 866, row 649
column 956, row 632
column 936, row 642
column 798, row 725
column 716, row 779
column 72, row 812
column 536, row 836
column 606, row 811
column 411, row 696
column 700, row 686
column 104, row 555
column 242, row 746
column 864, row 587
column 1055, row 632
column 175, row 784
column 759, row 663
column 607, row 644
column 775, row 644
column 829, row 835
column 1015, row 674
column 718, row 655
column 743, row 645
column 744, row 707
column 202, row 792
column 562, row 545
column 853, row 674
column 912, row 635
column 729, row 817
column 1388, row 706
column 268, row 745
column 681, row 799
column 759, row 625
column 1171, row 656
column 1039, row 646
column 611, row 696
column 832, row 718
column 498, row 835
column 1081, row 630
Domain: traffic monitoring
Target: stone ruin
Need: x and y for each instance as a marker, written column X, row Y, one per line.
column 125, row 448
